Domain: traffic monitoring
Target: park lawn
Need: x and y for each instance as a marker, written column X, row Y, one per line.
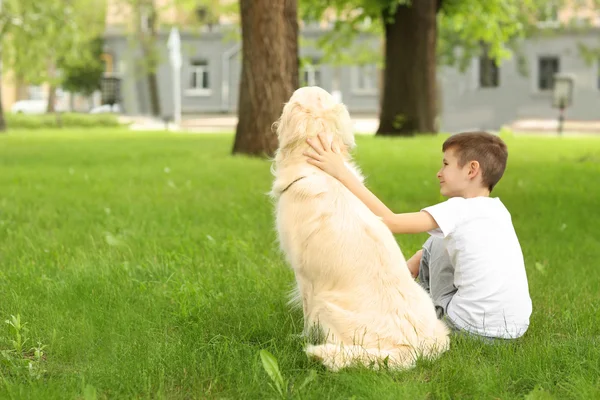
column 147, row 266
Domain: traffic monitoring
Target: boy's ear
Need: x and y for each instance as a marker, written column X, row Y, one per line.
column 474, row 168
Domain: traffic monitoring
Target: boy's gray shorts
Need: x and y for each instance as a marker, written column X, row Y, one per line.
column 436, row 276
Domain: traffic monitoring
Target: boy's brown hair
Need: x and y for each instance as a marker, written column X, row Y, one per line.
column 487, row 149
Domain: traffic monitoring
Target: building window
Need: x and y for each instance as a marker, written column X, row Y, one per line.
column 107, row 61
column 365, row 79
column 199, row 76
column 36, row 92
column 489, row 73
column 547, row 16
column 547, row 68
column 147, row 19
column 311, row 74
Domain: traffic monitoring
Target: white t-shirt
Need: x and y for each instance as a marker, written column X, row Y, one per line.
column 492, row 297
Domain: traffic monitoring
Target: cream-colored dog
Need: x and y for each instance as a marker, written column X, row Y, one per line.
column 356, row 291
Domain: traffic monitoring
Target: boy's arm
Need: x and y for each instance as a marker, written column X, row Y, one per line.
column 332, row 162
column 416, row 222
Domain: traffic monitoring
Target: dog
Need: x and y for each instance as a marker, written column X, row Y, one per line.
column 359, row 301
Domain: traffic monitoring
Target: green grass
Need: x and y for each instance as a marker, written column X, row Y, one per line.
column 147, row 265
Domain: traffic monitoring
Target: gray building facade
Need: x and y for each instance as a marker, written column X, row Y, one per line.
column 482, row 97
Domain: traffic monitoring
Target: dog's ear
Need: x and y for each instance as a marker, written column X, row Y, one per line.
column 291, row 125
column 290, row 110
column 345, row 127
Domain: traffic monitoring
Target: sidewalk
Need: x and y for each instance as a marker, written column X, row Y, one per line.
column 363, row 124
column 227, row 123
column 551, row 126
column 220, row 123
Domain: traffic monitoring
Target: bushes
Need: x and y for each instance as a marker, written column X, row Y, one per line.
column 61, row 120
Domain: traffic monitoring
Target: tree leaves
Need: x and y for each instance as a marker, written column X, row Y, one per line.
column 37, row 34
column 464, row 24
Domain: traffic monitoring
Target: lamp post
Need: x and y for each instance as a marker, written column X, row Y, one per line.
column 174, row 46
column 562, row 97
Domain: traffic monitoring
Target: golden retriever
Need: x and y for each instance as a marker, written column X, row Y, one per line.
column 360, row 303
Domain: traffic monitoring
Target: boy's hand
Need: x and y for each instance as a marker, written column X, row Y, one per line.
column 328, row 158
column 414, row 263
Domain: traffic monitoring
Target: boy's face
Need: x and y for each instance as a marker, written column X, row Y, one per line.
column 454, row 180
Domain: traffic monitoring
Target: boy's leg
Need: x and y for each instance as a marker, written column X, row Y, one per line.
column 436, row 274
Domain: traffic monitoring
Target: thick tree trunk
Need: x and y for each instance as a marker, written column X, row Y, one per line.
column 269, row 71
column 408, row 101
column 291, row 23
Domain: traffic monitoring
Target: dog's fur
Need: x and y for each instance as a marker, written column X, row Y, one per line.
column 352, row 280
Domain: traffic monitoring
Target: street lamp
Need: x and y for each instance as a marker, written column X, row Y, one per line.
column 562, row 96
column 175, row 58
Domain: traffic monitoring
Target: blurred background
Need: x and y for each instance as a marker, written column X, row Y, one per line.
column 445, row 65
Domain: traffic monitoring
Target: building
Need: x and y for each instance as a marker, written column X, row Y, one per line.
column 484, row 96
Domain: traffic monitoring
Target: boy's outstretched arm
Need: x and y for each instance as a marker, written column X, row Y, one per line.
column 330, row 160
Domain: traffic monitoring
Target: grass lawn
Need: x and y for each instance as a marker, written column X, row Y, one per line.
column 146, row 266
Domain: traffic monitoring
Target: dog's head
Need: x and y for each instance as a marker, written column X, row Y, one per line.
column 310, row 111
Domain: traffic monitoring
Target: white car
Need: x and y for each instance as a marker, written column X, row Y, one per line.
column 34, row 107
column 29, row 107
column 106, row 108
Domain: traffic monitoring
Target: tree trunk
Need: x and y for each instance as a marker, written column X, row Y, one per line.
column 291, row 24
column 22, row 92
column 51, row 107
column 269, row 71
column 154, row 99
column 2, row 120
column 148, row 37
column 153, row 56
column 408, row 101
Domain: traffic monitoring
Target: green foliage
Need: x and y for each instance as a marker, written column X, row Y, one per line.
column 284, row 387
column 348, row 20
column 191, row 20
column 463, row 26
column 37, row 35
column 63, row 120
column 83, row 75
column 16, row 360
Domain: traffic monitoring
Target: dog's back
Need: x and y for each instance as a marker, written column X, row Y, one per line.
column 352, row 278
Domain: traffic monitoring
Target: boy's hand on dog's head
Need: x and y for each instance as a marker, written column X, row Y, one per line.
column 325, row 156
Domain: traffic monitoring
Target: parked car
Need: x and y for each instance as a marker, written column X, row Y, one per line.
column 106, row 108
column 34, row 107
column 29, row 107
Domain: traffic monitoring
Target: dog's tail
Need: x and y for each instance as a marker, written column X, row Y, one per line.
column 336, row 357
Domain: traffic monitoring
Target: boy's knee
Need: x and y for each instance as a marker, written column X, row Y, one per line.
column 414, row 263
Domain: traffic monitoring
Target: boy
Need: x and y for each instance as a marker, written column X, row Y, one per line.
column 472, row 264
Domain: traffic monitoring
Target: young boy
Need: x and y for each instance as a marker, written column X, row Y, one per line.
column 472, row 264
